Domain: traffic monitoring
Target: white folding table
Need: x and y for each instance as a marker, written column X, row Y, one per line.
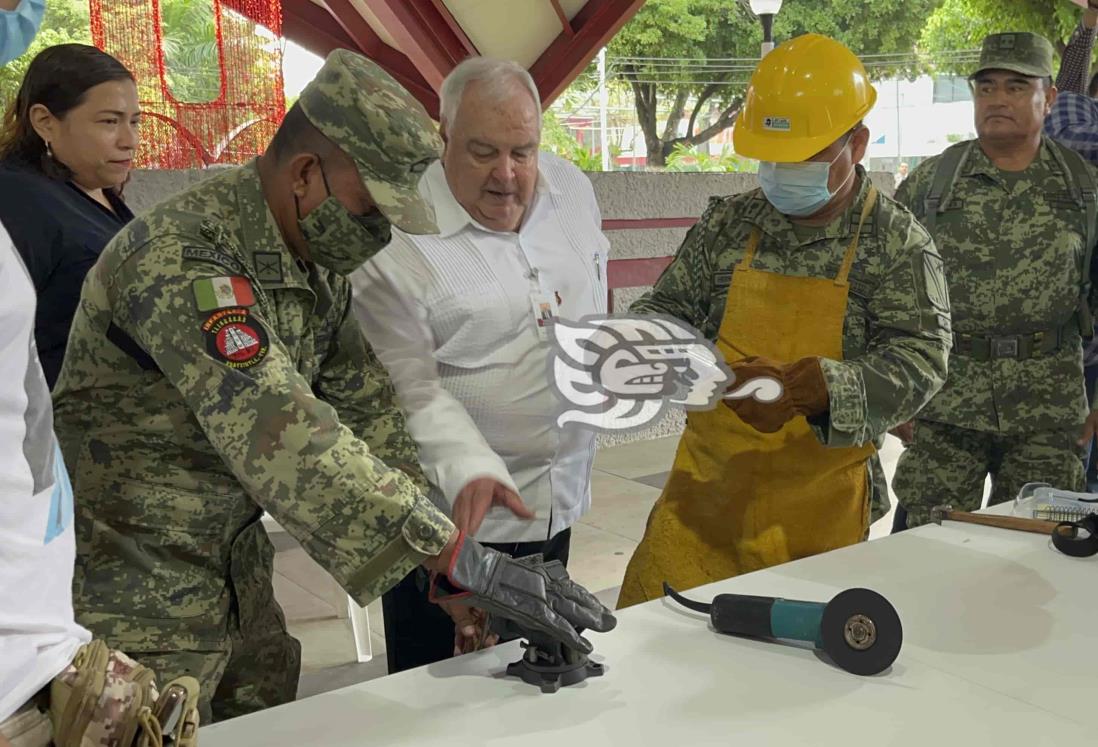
column 1000, row 635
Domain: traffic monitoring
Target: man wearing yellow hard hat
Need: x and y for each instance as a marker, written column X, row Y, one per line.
column 816, row 280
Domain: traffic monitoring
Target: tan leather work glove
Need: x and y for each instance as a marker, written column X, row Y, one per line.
column 804, row 392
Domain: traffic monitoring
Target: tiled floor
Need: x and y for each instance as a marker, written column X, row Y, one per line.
column 626, row 482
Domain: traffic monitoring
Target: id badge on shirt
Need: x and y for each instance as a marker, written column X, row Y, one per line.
column 545, row 311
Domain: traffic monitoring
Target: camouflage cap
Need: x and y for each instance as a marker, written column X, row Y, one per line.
column 1020, row 52
column 376, row 122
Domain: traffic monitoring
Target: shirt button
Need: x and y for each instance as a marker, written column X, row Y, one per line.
column 425, row 532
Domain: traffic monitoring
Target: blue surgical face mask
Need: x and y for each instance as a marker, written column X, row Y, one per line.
column 18, row 27
column 799, row 189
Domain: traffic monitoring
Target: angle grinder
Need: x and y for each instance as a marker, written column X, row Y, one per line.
column 859, row 629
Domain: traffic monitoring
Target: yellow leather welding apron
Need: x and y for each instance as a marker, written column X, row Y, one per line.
column 738, row 500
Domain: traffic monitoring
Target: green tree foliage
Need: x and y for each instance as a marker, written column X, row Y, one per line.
column 556, row 139
column 703, row 32
column 190, row 46
column 962, row 24
column 66, row 22
column 696, row 159
column 190, row 50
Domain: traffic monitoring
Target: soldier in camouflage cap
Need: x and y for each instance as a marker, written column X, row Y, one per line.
column 1027, row 54
column 382, row 129
column 215, row 372
column 1012, row 214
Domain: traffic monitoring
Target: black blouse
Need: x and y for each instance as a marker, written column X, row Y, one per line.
column 60, row 231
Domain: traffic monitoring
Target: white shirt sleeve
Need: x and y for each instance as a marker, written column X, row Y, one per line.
column 388, row 303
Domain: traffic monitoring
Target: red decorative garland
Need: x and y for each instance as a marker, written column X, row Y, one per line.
column 232, row 127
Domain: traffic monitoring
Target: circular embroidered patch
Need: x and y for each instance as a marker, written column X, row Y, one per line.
column 235, row 338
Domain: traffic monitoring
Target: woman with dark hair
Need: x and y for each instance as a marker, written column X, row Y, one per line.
column 66, row 149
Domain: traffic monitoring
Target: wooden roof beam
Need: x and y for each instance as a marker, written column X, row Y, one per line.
column 341, row 27
column 594, row 26
column 394, row 63
column 426, row 33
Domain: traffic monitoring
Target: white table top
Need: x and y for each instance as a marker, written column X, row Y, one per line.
column 1000, row 634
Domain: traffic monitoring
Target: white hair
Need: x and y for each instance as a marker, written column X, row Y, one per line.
column 498, row 77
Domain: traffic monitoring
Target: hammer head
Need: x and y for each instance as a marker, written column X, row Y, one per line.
column 940, row 512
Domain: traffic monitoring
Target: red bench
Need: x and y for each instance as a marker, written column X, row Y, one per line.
column 637, row 273
column 632, row 273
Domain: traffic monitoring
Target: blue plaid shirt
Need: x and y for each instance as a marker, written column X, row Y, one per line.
column 1073, row 119
column 1074, row 122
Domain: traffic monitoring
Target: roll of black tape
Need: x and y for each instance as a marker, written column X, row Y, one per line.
column 1067, row 537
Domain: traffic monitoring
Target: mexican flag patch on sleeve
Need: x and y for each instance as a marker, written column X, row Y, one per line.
column 219, row 293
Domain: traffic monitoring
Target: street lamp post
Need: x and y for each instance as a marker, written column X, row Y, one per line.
column 766, row 10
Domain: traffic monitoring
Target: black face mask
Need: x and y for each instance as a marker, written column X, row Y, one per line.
column 338, row 239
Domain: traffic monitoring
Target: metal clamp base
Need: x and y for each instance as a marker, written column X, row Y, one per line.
column 554, row 666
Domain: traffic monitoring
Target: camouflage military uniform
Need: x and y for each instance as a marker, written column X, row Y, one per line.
column 896, row 333
column 1013, row 250
column 213, row 375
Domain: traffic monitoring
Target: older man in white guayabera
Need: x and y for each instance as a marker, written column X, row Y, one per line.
column 461, row 320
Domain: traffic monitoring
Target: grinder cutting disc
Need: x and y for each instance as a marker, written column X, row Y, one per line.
column 861, row 631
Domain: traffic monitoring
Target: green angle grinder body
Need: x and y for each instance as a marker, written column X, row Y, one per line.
column 859, row 629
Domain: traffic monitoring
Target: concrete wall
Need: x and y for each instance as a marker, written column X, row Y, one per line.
column 147, row 188
column 621, row 195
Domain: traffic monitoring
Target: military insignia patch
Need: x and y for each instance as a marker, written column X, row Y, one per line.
column 268, row 267
column 206, row 254
column 220, row 293
column 235, row 338
column 934, row 275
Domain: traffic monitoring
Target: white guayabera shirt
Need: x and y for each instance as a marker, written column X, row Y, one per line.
column 452, row 318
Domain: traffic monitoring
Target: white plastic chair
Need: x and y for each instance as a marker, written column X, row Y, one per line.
column 359, row 616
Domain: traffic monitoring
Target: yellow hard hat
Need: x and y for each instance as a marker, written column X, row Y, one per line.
column 803, row 96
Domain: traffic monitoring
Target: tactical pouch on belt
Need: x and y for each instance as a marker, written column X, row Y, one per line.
column 106, row 698
column 1083, row 317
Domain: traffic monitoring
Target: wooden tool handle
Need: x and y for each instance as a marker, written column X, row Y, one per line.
column 1017, row 523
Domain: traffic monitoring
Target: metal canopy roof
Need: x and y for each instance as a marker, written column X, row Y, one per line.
column 419, row 41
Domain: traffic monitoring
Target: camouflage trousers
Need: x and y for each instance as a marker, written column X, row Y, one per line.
column 949, row 464
column 248, row 675
column 185, row 618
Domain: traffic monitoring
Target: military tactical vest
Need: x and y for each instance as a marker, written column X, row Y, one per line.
column 1081, row 185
